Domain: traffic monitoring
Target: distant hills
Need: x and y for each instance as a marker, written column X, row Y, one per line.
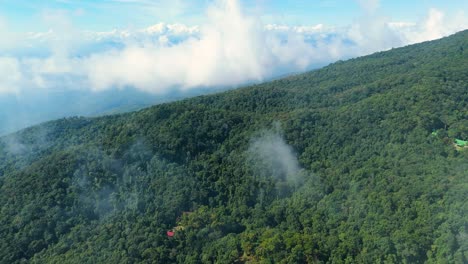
column 34, row 107
column 337, row 165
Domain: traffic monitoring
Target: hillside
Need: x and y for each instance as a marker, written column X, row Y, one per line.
column 337, row 165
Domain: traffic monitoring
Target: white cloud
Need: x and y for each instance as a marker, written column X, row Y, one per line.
column 373, row 34
column 177, row 29
column 435, row 26
column 155, row 29
column 297, row 29
column 231, row 49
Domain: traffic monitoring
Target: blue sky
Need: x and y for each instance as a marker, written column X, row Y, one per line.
column 25, row 15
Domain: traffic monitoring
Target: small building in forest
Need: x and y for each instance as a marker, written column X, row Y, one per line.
column 461, row 143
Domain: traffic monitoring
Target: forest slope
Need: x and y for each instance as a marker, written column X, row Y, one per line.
column 338, row 165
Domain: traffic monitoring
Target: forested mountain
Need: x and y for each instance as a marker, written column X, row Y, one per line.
column 352, row 163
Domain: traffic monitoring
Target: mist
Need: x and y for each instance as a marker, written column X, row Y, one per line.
column 271, row 157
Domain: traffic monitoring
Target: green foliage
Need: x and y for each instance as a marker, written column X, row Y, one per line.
column 376, row 186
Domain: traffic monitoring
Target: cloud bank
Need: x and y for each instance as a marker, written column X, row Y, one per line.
column 230, row 49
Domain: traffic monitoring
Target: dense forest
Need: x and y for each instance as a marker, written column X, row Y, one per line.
column 352, row 163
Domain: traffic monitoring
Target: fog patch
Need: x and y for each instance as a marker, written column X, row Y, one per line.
column 272, row 158
column 27, row 143
column 114, row 184
column 13, row 146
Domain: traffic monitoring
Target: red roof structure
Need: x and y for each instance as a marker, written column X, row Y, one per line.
column 170, row 233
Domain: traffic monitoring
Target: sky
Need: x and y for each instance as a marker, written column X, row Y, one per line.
column 167, row 46
column 102, row 15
